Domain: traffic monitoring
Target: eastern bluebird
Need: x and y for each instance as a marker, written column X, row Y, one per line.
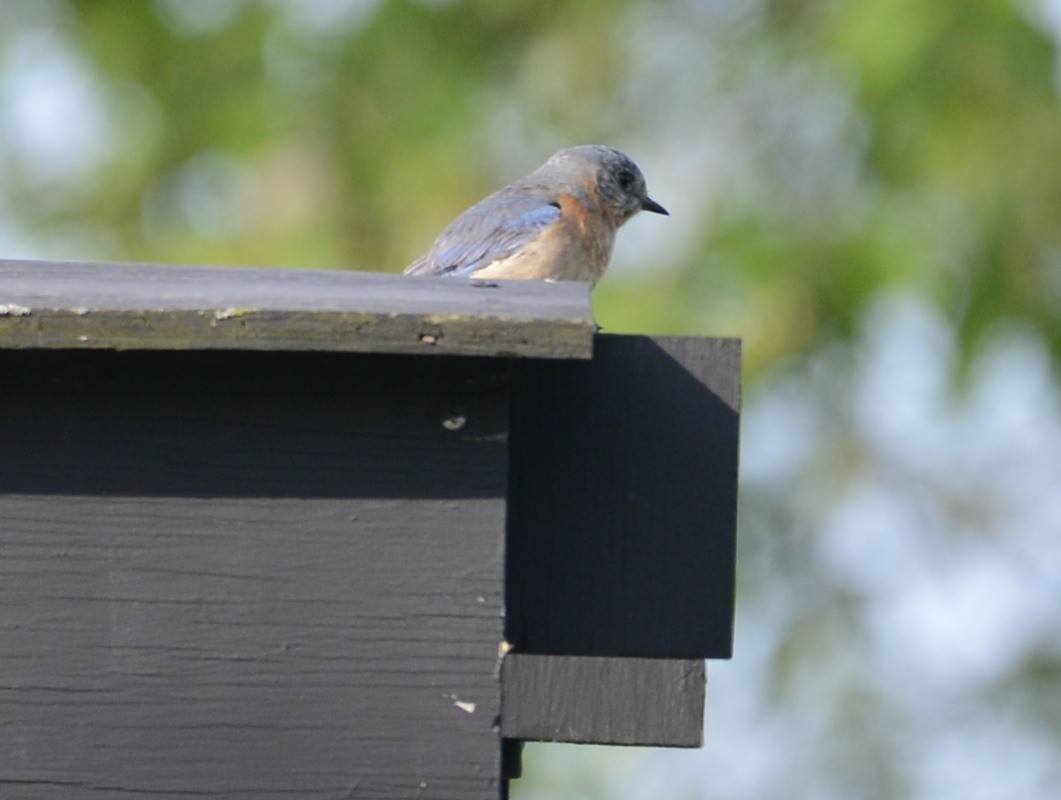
column 557, row 224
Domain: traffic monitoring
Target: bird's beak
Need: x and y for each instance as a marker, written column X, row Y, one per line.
column 648, row 204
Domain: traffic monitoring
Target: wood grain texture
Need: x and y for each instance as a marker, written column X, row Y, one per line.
column 224, row 577
column 627, row 701
column 139, row 306
column 204, row 424
column 623, row 500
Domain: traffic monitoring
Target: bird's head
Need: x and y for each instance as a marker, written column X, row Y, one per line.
column 619, row 183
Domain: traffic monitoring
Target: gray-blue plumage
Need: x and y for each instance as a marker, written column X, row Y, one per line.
column 476, row 239
column 558, row 223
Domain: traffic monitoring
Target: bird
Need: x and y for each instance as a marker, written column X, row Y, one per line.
column 556, row 224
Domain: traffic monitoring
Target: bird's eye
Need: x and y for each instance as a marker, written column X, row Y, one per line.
column 625, row 179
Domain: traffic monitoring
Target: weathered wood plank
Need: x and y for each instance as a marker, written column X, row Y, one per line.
column 627, row 701
column 140, row 306
column 209, row 424
column 623, row 500
column 248, row 575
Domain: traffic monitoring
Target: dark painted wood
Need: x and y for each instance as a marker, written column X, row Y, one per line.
column 311, row 425
column 230, row 572
column 623, row 490
column 139, row 306
column 627, row 701
column 238, row 576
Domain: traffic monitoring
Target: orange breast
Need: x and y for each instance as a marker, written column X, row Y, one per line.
column 577, row 247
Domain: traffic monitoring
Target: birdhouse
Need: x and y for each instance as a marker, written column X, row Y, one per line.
column 329, row 534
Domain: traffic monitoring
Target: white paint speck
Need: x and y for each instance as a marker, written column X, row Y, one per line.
column 454, row 423
column 466, row 707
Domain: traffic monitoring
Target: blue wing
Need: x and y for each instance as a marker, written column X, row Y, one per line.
column 487, row 232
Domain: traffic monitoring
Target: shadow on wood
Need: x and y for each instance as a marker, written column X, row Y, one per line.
column 622, row 500
column 247, row 424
